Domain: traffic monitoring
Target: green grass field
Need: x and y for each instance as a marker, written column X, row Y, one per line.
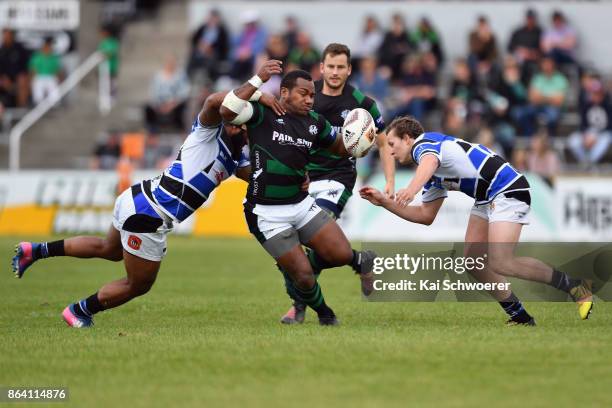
column 208, row 335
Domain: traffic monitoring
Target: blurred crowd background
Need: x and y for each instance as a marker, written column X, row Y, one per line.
column 530, row 99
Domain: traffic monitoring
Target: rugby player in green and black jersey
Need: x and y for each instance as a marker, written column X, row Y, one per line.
column 332, row 178
column 278, row 212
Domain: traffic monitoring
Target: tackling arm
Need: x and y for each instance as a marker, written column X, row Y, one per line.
column 209, row 115
column 421, row 214
column 425, row 170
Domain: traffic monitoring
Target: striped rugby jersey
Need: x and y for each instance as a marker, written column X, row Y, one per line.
column 468, row 167
column 203, row 162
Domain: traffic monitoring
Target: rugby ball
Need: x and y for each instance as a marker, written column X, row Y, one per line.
column 358, row 132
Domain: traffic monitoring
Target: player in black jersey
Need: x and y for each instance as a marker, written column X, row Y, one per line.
column 332, row 178
column 278, row 212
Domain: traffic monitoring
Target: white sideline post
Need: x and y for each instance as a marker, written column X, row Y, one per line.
column 104, row 88
column 46, row 104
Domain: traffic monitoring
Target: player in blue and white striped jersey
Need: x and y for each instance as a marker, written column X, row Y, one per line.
column 501, row 208
column 145, row 213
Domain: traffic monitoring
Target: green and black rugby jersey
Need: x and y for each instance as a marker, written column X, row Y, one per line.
column 281, row 147
column 324, row 165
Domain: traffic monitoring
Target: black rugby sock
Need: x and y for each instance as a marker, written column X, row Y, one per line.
column 89, row 306
column 562, row 281
column 49, row 249
column 514, row 309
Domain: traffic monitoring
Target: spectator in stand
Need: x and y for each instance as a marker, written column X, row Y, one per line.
column 106, row 153
column 525, row 45
column 592, row 141
column 304, row 55
column 209, row 47
column 109, row 45
column 560, row 40
column 169, row 96
column 506, row 94
column 519, row 158
column 395, row 46
column 417, row 89
column 45, row 67
column 14, row 79
column 486, row 137
column 370, row 39
column 482, row 44
column 463, row 98
column 463, row 86
column 371, row 82
column 247, row 45
column 290, row 34
column 547, row 94
column 276, row 49
column 542, row 160
column 426, row 39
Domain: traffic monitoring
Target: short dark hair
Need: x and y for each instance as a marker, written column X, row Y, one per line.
column 290, row 78
column 557, row 14
column 406, row 126
column 334, row 49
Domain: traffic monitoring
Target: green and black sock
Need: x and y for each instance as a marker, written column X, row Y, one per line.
column 313, row 297
column 317, row 263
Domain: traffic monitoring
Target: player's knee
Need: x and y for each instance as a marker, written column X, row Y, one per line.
column 115, row 256
column 503, row 267
column 109, row 251
column 304, row 280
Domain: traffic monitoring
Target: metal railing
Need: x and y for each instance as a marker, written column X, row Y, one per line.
column 97, row 59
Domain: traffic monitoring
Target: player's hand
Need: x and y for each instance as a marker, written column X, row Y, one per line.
column 404, row 197
column 269, row 68
column 372, row 195
column 306, row 184
column 271, row 102
column 389, row 189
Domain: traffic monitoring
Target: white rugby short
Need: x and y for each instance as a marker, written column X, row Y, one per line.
column 146, row 245
column 279, row 228
column 503, row 208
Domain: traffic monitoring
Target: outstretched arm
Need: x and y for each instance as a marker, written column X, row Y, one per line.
column 425, row 170
column 209, row 115
column 421, row 214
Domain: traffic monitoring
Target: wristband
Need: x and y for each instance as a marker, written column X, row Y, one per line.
column 256, row 81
